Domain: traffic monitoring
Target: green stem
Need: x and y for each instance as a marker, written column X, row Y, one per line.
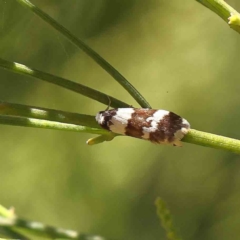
column 225, row 11
column 166, row 219
column 42, row 230
column 11, row 234
column 36, row 123
column 29, row 116
column 95, row 56
column 10, row 222
column 70, row 85
column 211, row 140
column 19, row 110
column 6, row 230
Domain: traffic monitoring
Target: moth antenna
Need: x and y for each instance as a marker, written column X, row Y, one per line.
column 109, row 103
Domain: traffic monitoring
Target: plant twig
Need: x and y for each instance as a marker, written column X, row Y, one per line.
column 6, row 230
column 10, row 233
column 39, row 229
column 38, row 123
column 19, row 110
column 225, row 11
column 90, row 52
column 212, row 140
column 166, row 219
column 29, row 116
column 70, row 85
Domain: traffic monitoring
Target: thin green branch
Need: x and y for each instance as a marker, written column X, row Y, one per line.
column 13, row 224
column 11, row 233
column 29, row 116
column 5, row 230
column 225, row 11
column 37, row 123
column 42, row 230
column 19, row 110
column 70, row 85
column 90, row 52
column 211, row 140
column 166, row 219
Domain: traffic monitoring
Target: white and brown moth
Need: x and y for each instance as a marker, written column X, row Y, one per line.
column 157, row 126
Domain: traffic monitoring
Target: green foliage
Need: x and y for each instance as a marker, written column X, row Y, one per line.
column 166, row 219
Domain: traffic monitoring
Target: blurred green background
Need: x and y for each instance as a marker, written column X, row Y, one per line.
column 182, row 58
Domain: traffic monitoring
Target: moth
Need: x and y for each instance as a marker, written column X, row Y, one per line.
column 157, row 126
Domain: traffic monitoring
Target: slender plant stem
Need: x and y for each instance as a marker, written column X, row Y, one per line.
column 11, row 233
column 70, row 85
column 40, row 229
column 37, row 123
column 211, row 140
column 90, row 52
column 6, row 230
column 29, row 116
column 8, row 220
column 24, row 111
column 225, row 11
column 166, row 219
